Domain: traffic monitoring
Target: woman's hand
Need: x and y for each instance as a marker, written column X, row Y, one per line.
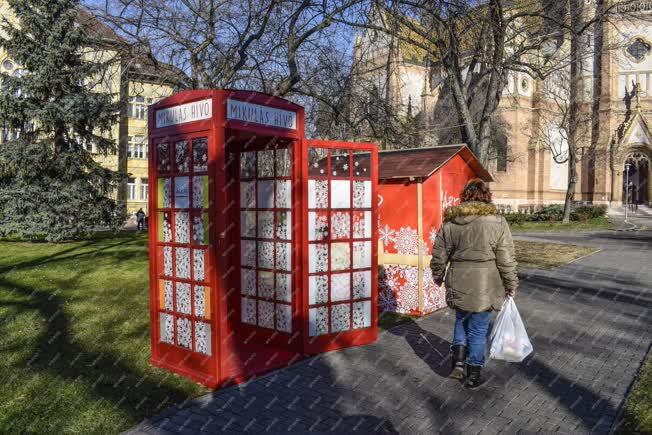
column 510, row 293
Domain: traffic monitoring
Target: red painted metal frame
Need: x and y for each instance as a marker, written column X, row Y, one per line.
column 167, row 356
column 234, row 355
column 332, row 341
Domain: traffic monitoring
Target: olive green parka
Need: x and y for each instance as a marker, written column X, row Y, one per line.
column 476, row 244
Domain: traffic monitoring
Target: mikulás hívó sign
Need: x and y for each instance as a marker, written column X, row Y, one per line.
column 257, row 114
column 189, row 112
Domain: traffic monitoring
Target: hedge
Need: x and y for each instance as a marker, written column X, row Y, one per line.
column 555, row 213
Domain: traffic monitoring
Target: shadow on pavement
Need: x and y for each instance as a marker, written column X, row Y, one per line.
column 432, row 349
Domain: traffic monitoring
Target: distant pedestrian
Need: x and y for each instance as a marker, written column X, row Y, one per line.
column 475, row 243
column 140, row 219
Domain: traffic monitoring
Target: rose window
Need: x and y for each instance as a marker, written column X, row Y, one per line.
column 639, row 49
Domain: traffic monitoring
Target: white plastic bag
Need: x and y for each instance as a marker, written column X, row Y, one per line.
column 508, row 339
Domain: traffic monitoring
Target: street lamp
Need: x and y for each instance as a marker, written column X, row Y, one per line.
column 627, row 166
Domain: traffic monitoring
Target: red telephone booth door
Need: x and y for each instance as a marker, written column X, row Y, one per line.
column 262, row 177
column 184, row 308
column 340, row 253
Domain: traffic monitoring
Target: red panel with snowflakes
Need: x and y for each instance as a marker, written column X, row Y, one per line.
column 415, row 187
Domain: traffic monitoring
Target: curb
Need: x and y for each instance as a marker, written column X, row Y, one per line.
column 633, row 227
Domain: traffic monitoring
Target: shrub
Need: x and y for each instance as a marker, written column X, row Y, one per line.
column 516, row 218
column 549, row 213
column 555, row 213
column 588, row 212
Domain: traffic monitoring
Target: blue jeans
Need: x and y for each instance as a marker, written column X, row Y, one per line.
column 471, row 331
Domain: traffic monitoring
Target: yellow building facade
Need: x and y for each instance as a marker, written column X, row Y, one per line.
column 136, row 82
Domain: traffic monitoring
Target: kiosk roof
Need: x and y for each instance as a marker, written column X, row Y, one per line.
column 423, row 162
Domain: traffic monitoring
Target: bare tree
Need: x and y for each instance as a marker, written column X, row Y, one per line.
column 476, row 45
column 289, row 48
column 211, row 41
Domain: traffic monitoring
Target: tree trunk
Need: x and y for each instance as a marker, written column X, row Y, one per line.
column 572, row 181
column 465, row 116
column 123, row 131
column 598, row 46
column 479, row 138
column 575, row 9
column 496, row 81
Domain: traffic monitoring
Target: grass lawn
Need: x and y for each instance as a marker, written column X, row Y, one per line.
column 595, row 224
column 637, row 418
column 74, row 335
column 548, row 255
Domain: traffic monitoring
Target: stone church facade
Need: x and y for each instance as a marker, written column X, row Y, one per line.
column 531, row 168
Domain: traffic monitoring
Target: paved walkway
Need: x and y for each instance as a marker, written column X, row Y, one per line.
column 641, row 218
column 590, row 325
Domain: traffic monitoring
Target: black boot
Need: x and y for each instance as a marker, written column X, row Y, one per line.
column 474, row 377
column 458, row 355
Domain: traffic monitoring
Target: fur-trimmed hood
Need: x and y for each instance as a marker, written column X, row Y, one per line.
column 467, row 212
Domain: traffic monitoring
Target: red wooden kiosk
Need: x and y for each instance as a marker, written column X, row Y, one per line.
column 262, row 243
column 415, row 187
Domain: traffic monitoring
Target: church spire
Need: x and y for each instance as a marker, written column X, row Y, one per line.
column 426, row 81
column 427, row 105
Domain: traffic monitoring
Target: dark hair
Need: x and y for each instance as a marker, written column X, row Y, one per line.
column 476, row 190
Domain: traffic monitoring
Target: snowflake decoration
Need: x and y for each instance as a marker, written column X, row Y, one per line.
column 411, row 275
column 408, row 298
column 434, row 297
column 387, row 235
column 386, row 300
column 432, row 236
column 390, row 276
column 407, row 241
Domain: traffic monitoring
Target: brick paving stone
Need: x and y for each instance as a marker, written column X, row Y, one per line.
column 588, row 323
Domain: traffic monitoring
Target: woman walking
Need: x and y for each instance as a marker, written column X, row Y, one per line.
column 476, row 245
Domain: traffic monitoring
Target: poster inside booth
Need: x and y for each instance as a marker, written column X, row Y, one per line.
column 264, row 243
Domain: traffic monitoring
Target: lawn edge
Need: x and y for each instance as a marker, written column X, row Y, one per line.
column 581, row 257
column 619, row 418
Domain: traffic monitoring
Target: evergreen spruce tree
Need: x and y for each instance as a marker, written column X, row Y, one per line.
column 50, row 186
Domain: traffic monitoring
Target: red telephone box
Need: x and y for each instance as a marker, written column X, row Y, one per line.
column 416, row 186
column 263, row 244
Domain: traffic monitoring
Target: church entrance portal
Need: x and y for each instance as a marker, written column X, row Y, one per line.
column 639, row 168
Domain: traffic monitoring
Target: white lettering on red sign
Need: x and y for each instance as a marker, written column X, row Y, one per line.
column 263, row 115
column 189, row 112
column 449, row 201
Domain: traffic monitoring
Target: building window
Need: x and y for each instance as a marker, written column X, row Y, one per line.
column 9, row 134
column 143, row 189
column 639, row 49
column 138, row 107
column 131, row 184
column 136, row 147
